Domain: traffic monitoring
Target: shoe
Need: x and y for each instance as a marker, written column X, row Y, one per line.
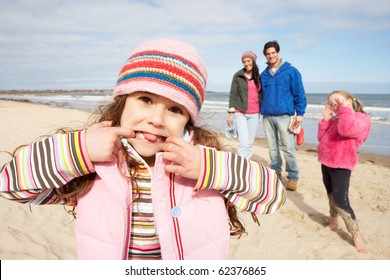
column 292, row 185
column 300, row 137
column 231, row 131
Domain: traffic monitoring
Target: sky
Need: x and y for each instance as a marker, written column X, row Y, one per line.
column 82, row 44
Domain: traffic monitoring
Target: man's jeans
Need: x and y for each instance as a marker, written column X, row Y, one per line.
column 246, row 128
column 275, row 127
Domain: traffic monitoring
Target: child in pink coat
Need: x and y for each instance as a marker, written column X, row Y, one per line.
column 343, row 129
column 148, row 182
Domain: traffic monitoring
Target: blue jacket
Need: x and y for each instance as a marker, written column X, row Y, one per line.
column 283, row 93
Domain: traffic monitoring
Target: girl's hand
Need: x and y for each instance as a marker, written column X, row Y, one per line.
column 337, row 103
column 184, row 157
column 102, row 141
column 327, row 113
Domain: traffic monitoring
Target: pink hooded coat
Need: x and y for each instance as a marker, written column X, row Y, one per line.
column 340, row 138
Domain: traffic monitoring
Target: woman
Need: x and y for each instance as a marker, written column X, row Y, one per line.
column 244, row 103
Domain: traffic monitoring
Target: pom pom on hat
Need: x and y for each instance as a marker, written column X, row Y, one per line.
column 167, row 67
column 249, row 54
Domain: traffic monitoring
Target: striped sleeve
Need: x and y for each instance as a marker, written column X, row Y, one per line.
column 48, row 164
column 248, row 185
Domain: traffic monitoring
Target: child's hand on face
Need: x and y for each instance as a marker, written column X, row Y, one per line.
column 185, row 158
column 327, row 113
column 337, row 103
column 102, row 141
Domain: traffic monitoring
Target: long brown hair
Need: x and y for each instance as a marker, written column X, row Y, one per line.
column 113, row 112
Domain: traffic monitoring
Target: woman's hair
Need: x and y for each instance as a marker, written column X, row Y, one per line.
column 113, row 112
column 256, row 74
column 356, row 103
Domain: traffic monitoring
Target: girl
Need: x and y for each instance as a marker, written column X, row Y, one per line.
column 145, row 183
column 343, row 129
column 244, row 103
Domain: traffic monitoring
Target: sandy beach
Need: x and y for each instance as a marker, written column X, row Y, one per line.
column 296, row 232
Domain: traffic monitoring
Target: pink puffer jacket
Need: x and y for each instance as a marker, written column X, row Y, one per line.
column 199, row 230
column 340, row 139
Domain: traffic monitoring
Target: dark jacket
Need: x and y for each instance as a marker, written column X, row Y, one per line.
column 239, row 92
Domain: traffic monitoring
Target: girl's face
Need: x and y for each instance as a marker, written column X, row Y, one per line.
column 248, row 64
column 153, row 118
column 337, row 100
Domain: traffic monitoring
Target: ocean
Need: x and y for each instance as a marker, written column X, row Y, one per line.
column 213, row 113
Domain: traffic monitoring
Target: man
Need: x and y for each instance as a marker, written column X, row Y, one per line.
column 283, row 97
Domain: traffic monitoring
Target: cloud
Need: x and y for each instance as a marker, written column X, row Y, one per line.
column 48, row 39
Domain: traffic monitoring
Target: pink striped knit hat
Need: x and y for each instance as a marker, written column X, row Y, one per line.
column 166, row 67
